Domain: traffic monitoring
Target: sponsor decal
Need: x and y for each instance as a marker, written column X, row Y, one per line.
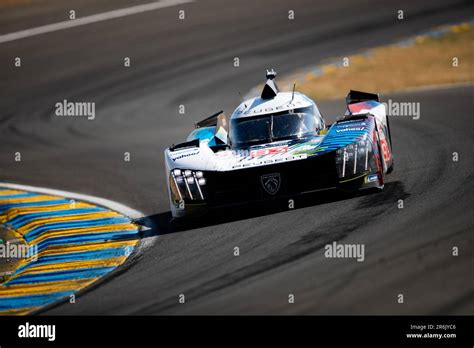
column 350, row 129
column 269, row 161
column 269, row 151
column 271, row 183
column 243, row 110
column 182, row 155
column 371, row 178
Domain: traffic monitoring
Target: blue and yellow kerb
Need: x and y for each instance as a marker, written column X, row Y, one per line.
column 71, row 245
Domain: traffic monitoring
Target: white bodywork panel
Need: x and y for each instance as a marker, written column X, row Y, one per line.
column 282, row 102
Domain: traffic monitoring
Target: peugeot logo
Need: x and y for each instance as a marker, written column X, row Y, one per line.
column 271, row 183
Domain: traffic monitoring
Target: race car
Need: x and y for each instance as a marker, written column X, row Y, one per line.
column 278, row 145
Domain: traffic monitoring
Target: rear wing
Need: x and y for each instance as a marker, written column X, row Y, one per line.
column 358, row 96
column 359, row 104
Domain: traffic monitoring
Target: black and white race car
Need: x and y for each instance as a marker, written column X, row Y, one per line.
column 276, row 145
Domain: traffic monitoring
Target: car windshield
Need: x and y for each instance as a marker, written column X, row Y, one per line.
column 268, row 128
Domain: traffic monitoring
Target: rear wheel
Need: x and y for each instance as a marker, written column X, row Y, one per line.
column 381, row 162
column 390, row 169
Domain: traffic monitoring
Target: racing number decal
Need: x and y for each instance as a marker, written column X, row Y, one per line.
column 383, row 143
column 385, row 150
column 269, row 151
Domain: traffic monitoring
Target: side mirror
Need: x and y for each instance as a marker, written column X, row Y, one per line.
column 221, row 134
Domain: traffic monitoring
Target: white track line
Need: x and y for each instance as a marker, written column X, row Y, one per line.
column 90, row 19
column 144, row 244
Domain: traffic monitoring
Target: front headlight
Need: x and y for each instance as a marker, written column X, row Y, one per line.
column 186, row 185
column 354, row 159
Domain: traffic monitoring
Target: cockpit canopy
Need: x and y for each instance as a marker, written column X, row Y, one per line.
column 286, row 125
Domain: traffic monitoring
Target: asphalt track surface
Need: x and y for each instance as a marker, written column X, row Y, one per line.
column 190, row 62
